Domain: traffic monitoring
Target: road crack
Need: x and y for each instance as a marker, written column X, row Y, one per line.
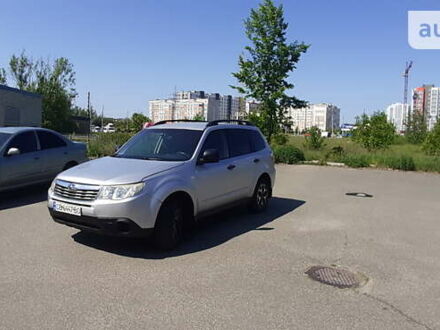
column 398, row 311
column 344, row 248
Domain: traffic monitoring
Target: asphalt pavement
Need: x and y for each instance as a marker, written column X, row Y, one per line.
column 237, row 270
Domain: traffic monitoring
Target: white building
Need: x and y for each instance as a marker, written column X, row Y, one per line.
column 323, row 115
column 397, row 114
column 189, row 104
column 433, row 107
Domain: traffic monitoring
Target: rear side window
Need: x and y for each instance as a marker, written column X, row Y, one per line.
column 25, row 142
column 257, row 141
column 238, row 142
column 216, row 140
column 49, row 140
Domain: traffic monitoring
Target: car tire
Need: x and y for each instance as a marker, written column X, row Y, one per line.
column 262, row 194
column 168, row 231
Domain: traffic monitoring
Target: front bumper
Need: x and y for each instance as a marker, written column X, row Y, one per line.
column 141, row 210
column 121, row 227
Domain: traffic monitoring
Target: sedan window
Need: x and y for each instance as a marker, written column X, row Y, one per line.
column 25, row 142
column 49, row 140
column 3, row 138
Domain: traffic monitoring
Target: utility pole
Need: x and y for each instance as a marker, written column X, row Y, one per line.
column 102, row 119
column 173, row 106
column 90, row 117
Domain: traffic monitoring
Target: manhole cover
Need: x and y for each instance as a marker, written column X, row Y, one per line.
column 358, row 194
column 337, row 277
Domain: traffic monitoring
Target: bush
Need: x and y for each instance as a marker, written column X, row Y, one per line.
column 357, row 160
column 280, row 139
column 431, row 146
column 105, row 144
column 336, row 154
column 403, row 162
column 314, row 140
column 428, row 164
column 288, row 154
column 374, row 132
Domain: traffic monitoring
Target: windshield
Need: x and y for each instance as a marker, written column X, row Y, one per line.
column 3, row 138
column 161, row 144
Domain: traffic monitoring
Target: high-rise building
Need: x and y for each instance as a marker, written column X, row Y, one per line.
column 397, row 114
column 421, row 99
column 433, row 109
column 189, row 104
column 324, row 116
column 426, row 102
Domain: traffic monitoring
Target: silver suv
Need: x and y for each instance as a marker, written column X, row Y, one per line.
column 165, row 178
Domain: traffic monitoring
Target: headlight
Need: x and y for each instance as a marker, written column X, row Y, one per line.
column 120, row 191
column 52, row 186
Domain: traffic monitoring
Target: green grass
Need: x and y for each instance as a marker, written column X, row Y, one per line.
column 105, row 144
column 401, row 155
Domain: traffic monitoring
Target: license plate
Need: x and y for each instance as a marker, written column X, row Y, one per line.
column 67, row 208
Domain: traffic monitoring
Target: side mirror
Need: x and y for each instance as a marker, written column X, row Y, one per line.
column 13, row 152
column 209, row 156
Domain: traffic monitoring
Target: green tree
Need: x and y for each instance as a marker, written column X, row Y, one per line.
column 265, row 69
column 22, row 70
column 137, row 121
column 55, row 81
column 83, row 112
column 374, row 132
column 416, row 129
column 431, row 145
column 199, row 117
column 314, row 140
column 255, row 118
column 2, row 76
column 123, row 125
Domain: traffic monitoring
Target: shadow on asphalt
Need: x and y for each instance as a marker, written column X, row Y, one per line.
column 24, row 196
column 211, row 232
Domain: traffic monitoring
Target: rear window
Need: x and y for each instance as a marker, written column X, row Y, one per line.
column 49, row 140
column 257, row 141
column 238, row 142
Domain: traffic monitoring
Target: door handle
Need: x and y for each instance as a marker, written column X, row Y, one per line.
column 36, row 158
column 231, row 167
column 256, row 160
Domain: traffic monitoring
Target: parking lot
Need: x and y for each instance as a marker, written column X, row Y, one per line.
column 237, row 270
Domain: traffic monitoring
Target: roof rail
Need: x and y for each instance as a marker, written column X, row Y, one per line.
column 239, row 122
column 179, row 121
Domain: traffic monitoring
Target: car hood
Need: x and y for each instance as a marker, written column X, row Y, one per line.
column 112, row 170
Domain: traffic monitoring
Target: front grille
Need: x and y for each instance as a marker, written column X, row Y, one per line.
column 76, row 191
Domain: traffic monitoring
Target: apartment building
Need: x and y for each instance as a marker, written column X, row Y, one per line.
column 425, row 100
column 189, row 104
column 397, row 114
column 323, row 115
column 433, row 108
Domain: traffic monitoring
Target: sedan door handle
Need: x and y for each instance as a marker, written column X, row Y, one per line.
column 36, row 158
column 231, row 167
column 256, row 160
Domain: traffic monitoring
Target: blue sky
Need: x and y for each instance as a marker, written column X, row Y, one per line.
column 128, row 52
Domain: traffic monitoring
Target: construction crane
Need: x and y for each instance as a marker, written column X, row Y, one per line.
column 406, row 76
